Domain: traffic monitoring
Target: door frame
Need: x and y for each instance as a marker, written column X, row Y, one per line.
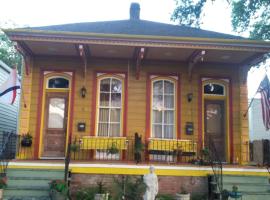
column 227, row 98
column 46, row 75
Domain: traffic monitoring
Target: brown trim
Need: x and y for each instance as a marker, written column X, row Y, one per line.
column 39, row 113
column 39, row 105
column 200, row 119
column 94, row 108
column 138, row 41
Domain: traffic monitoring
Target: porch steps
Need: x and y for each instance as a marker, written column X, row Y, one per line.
column 30, row 184
column 252, row 187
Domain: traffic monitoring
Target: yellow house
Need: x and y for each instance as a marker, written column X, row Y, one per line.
column 96, row 84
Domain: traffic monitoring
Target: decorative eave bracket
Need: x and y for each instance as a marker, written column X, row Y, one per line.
column 26, row 54
column 140, row 55
column 83, row 52
column 196, row 56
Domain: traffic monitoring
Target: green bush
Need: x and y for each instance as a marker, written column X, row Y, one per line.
column 86, row 193
column 129, row 188
column 165, row 197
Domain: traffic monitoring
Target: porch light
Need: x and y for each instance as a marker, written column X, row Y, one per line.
column 83, row 92
column 189, row 97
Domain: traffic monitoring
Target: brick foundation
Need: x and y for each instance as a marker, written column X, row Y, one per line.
column 167, row 184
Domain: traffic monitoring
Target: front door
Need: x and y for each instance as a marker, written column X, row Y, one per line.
column 214, row 125
column 55, row 124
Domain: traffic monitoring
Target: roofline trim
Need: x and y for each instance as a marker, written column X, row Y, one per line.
column 138, row 40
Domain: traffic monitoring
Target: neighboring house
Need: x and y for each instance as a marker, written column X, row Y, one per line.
column 257, row 129
column 99, row 83
column 8, row 113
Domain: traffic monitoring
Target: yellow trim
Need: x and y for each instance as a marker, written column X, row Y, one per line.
column 118, row 77
column 45, row 91
column 103, row 143
column 128, row 36
column 227, row 109
column 141, row 171
column 175, row 82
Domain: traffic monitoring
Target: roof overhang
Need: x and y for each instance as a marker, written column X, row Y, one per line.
column 237, row 52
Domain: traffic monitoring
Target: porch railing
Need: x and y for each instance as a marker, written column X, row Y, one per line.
column 8, row 146
column 127, row 149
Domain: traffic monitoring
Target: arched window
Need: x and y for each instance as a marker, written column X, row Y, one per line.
column 214, row 89
column 58, row 82
column 163, row 109
column 110, row 107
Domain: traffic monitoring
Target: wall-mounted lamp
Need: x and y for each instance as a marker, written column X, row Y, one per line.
column 83, row 92
column 189, row 97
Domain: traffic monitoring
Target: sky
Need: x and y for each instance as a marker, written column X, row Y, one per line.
column 40, row 13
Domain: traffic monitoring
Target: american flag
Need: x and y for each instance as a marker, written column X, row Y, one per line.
column 264, row 90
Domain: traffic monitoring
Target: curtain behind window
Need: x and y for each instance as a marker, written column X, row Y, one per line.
column 163, row 108
column 110, row 105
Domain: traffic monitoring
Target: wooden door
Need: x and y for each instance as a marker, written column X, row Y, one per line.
column 214, row 125
column 55, row 125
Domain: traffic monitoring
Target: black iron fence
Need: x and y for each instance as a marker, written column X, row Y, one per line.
column 8, row 145
column 132, row 149
column 122, row 149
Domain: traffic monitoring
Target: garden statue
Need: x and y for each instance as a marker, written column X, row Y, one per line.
column 151, row 182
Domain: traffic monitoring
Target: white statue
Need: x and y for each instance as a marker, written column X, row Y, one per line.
column 151, row 182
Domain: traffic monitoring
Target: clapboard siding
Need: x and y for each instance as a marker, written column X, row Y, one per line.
column 137, row 91
column 8, row 113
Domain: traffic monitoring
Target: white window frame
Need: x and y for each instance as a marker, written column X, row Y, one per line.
column 109, row 107
column 174, row 82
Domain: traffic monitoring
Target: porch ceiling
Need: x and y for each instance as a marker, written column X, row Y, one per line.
column 38, row 48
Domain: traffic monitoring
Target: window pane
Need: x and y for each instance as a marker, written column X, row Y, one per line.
column 158, row 88
column 116, row 100
column 56, row 113
column 104, row 99
column 168, row 87
column 115, row 115
column 115, row 130
column 157, row 131
column 102, row 129
column 214, row 89
column 169, row 117
column 105, row 85
column 169, row 101
column 116, row 86
column 157, row 116
column 104, row 115
column 158, row 102
column 58, row 83
column 168, row 131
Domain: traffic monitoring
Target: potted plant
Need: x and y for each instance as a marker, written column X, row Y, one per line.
column 235, row 194
column 183, row 195
column 26, row 140
column 58, row 190
column 3, row 185
column 113, row 149
column 102, row 194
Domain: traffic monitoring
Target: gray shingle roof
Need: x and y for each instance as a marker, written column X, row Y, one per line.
column 137, row 27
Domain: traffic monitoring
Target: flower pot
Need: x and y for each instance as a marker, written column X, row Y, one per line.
column 26, row 142
column 101, row 196
column 1, row 193
column 57, row 195
column 182, row 196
